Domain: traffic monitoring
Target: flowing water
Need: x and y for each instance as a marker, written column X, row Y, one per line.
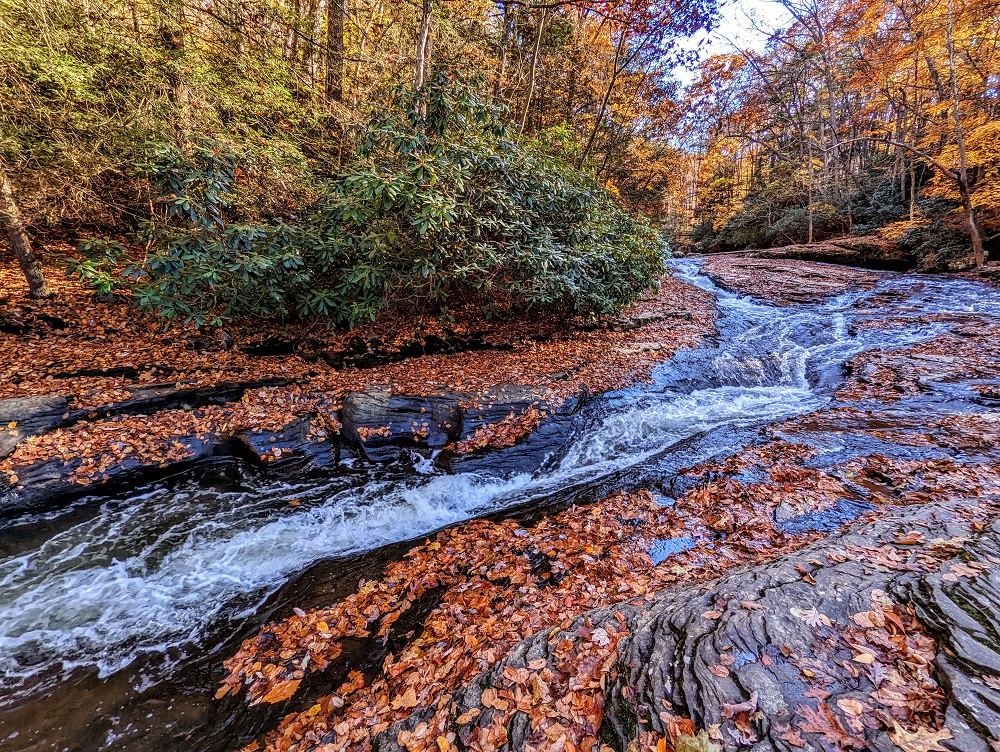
column 115, row 613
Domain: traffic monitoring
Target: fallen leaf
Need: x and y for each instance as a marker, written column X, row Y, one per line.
column 699, row 743
column 851, row 706
column 405, row 701
column 812, row 617
column 712, row 615
column 281, row 691
column 748, row 706
column 921, row 740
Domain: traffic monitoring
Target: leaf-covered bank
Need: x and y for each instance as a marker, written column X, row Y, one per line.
column 129, row 396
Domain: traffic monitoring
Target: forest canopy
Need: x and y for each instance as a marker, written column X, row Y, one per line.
column 337, row 157
column 877, row 118
column 287, row 157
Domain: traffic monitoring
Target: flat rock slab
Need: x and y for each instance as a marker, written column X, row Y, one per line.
column 44, row 483
column 293, row 447
column 383, row 425
column 785, row 282
column 765, row 657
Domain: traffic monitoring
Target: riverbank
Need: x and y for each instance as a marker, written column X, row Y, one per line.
column 864, row 252
column 588, row 629
column 704, row 541
column 94, row 396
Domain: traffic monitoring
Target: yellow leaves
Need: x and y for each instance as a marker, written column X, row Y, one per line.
column 12, row 424
column 866, row 659
column 921, row 740
column 699, row 743
column 281, row 691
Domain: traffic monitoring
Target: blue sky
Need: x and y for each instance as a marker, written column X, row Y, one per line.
column 744, row 23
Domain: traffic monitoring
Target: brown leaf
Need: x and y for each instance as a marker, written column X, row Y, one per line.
column 467, row 716
column 405, row 701
column 851, row 706
column 748, row 706
column 281, row 691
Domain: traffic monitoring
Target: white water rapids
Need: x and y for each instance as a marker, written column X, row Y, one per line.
column 115, row 580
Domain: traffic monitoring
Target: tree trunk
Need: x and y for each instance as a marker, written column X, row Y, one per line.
column 172, row 38
column 534, row 68
column 978, row 252
column 607, row 97
column 10, row 217
column 335, row 50
column 509, row 19
column 423, row 46
column 810, row 240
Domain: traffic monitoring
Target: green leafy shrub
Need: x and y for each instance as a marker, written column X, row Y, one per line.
column 440, row 205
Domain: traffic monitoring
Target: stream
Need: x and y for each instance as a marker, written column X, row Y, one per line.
column 116, row 613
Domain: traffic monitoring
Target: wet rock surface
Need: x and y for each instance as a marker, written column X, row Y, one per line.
column 758, row 655
column 384, row 425
column 21, row 417
column 49, row 484
column 870, row 253
column 694, row 544
column 785, row 282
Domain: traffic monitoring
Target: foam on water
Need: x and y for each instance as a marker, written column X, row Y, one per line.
column 155, row 570
column 151, row 573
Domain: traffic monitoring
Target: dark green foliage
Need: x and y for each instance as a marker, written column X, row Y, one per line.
column 439, row 206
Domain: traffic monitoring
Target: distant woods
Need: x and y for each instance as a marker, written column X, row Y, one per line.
column 92, row 89
column 866, row 117
column 878, row 118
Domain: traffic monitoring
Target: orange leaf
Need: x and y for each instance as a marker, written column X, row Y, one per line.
column 281, row 691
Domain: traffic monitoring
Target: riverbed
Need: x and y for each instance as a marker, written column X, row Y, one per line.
column 116, row 613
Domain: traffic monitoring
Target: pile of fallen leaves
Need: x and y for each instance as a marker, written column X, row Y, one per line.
column 488, row 585
column 97, row 354
column 501, row 583
column 886, row 655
